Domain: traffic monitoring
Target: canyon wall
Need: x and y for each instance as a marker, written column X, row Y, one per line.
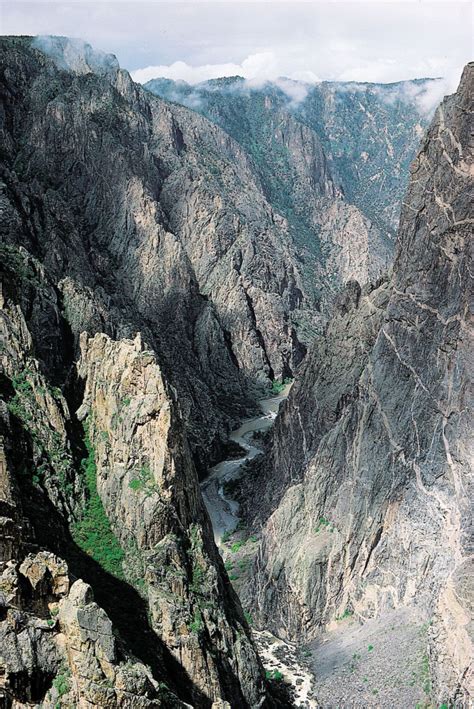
column 366, row 496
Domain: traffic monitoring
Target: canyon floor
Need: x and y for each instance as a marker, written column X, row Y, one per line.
column 380, row 663
column 356, row 663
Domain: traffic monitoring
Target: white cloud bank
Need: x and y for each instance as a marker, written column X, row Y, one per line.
column 260, row 66
column 363, row 40
column 265, row 66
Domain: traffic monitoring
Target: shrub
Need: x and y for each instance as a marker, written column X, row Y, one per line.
column 196, row 624
column 323, row 523
column 274, row 674
column 61, row 684
column 198, row 580
column 347, row 614
column 93, row 533
column 143, row 481
column 278, row 386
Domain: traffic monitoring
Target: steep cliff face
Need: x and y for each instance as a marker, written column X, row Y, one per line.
column 149, row 488
column 333, row 239
column 148, row 218
column 371, row 133
column 126, row 525
column 333, row 158
column 367, row 491
column 112, row 592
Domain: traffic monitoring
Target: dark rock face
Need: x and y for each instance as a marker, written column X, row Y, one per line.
column 127, row 521
column 318, row 149
column 367, row 493
column 146, row 217
column 289, row 144
column 113, row 357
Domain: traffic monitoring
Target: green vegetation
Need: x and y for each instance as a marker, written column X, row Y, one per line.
column 237, row 545
column 17, row 263
column 144, row 481
column 370, row 648
column 226, row 536
column 248, row 617
column 278, row 385
column 425, row 674
column 233, row 577
column 93, row 532
column 198, row 579
column 23, row 395
column 196, row 624
column 274, row 674
column 61, row 684
column 24, row 406
column 347, row 614
column 324, row 523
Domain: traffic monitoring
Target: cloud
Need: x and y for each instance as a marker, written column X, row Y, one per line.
column 295, row 90
column 76, row 55
column 426, row 95
column 429, row 95
column 260, row 66
column 363, row 40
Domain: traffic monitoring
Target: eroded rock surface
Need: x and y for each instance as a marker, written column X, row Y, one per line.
column 368, row 489
column 149, row 487
column 128, row 522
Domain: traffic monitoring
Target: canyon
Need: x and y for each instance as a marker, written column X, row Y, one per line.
column 228, row 422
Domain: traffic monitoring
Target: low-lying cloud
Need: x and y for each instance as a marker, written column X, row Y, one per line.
column 426, row 95
column 262, row 66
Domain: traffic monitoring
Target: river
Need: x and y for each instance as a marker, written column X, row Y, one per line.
column 223, row 511
column 275, row 653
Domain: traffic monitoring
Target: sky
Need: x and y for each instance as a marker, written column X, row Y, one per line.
column 356, row 40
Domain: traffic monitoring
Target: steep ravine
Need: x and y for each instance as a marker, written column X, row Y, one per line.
column 281, row 659
column 112, row 592
column 149, row 292
column 223, row 510
column 126, row 525
column 365, row 494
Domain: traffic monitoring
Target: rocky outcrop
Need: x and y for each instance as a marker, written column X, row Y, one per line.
column 371, row 133
column 332, row 240
column 149, row 487
column 144, row 217
column 127, row 521
column 367, row 491
column 368, row 133
column 57, row 645
column 59, row 648
column 333, row 159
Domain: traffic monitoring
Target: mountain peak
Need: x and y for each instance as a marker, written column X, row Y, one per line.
column 76, row 55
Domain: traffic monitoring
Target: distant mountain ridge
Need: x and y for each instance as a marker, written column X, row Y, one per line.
column 366, row 129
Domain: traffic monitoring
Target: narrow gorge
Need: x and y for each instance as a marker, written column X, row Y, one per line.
column 234, row 414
